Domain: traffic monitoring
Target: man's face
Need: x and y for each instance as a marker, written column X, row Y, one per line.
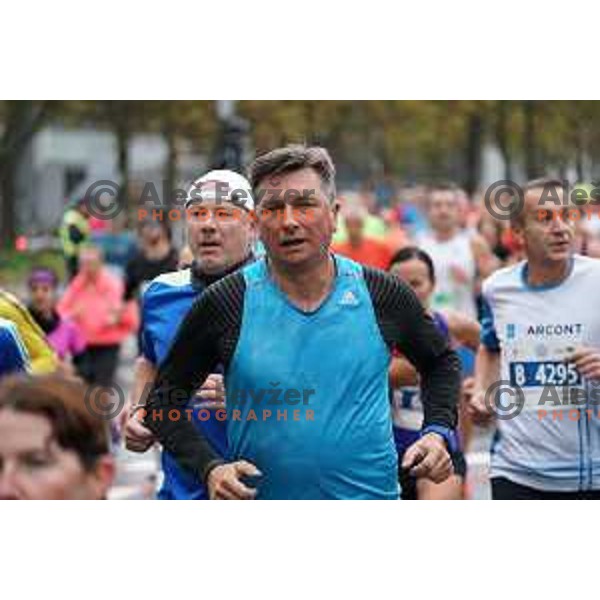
column 34, row 467
column 443, row 210
column 220, row 234
column 546, row 231
column 296, row 219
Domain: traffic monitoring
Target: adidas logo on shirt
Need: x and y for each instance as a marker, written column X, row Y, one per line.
column 349, row 299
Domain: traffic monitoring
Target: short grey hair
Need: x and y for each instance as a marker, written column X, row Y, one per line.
column 293, row 158
column 515, row 205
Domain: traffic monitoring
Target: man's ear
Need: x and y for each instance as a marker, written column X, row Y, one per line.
column 518, row 230
column 335, row 210
column 103, row 477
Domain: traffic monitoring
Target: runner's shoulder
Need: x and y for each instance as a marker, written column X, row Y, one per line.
column 504, row 278
column 587, row 264
column 165, row 289
column 384, row 287
column 172, row 279
column 228, row 290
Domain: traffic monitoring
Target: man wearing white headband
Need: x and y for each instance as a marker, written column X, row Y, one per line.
column 220, row 187
column 221, row 234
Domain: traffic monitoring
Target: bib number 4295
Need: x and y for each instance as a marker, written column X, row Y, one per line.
column 539, row 374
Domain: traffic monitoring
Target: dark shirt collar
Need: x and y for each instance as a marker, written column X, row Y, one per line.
column 202, row 280
column 47, row 325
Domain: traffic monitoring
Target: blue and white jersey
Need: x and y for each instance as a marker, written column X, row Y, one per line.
column 553, row 444
column 165, row 303
column 13, row 354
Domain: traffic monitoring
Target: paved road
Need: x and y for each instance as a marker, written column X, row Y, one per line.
column 136, row 473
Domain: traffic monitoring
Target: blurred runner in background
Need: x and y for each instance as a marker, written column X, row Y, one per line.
column 94, row 301
column 65, row 337
column 74, row 234
column 154, row 256
column 460, row 257
column 43, row 359
column 415, row 267
column 364, row 250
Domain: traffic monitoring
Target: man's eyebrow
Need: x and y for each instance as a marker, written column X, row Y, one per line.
column 49, row 443
column 273, row 200
column 45, row 447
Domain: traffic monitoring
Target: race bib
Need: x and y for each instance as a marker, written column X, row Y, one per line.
column 535, row 365
column 407, row 410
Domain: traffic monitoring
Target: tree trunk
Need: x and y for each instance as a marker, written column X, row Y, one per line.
column 579, row 154
column 473, row 152
column 529, row 140
column 171, row 165
column 502, row 137
column 23, row 120
column 7, row 212
column 123, row 135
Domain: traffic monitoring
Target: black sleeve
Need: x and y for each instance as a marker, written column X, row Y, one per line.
column 405, row 325
column 207, row 336
column 75, row 235
column 132, row 279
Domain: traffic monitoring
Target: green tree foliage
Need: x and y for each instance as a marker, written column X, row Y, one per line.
column 419, row 140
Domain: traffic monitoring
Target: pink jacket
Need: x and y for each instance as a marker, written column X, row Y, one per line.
column 92, row 306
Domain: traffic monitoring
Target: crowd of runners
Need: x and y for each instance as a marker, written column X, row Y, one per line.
column 309, row 342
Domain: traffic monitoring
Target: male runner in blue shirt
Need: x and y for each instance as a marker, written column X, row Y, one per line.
column 306, row 331
column 220, row 235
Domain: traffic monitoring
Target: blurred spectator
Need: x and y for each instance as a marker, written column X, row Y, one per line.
column 492, row 231
column 74, row 233
column 374, row 225
column 43, row 359
column 51, row 446
column 411, row 210
column 396, row 237
column 94, row 300
column 13, row 354
column 63, row 334
column 514, row 246
column 99, row 225
column 467, row 216
column 358, row 247
column 461, row 258
column 587, row 239
column 155, row 255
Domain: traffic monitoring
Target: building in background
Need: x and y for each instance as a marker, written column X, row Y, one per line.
column 61, row 162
